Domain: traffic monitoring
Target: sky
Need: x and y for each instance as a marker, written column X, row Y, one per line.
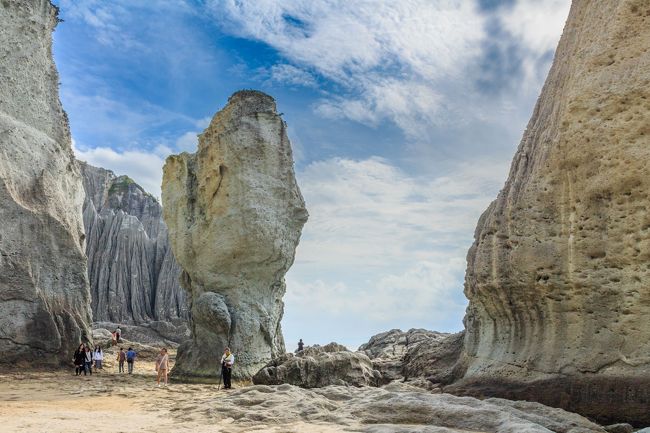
column 403, row 116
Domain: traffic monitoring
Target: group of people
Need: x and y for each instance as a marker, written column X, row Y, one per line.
column 84, row 358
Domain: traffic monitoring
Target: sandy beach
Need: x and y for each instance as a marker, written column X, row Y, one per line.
column 111, row 402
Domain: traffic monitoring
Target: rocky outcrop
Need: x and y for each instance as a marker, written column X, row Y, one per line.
column 44, row 296
column 316, row 367
column 235, row 215
column 134, row 278
column 397, row 408
column 435, row 360
column 557, row 276
column 388, row 350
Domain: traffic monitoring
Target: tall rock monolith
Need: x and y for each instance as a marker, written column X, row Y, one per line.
column 558, row 274
column 235, row 215
column 44, row 295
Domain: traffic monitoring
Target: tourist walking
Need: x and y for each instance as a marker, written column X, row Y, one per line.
column 130, row 359
column 118, row 334
column 79, row 359
column 227, row 361
column 162, row 366
column 99, row 358
column 88, row 362
column 121, row 357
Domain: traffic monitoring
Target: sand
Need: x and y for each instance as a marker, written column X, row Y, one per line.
column 108, row 401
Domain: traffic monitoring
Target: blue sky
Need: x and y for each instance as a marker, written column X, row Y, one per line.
column 403, row 117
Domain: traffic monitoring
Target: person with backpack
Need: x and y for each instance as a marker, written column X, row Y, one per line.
column 227, row 361
column 130, row 359
column 121, row 357
column 99, row 358
column 79, row 359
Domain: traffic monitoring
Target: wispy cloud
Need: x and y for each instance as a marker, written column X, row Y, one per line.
column 386, row 246
column 360, row 44
column 417, row 63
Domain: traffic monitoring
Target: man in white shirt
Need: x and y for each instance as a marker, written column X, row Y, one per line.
column 227, row 361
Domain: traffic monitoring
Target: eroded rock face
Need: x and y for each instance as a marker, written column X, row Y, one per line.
column 389, row 349
column 557, row 277
column 235, row 215
column 134, row 278
column 316, row 367
column 396, row 408
column 44, row 296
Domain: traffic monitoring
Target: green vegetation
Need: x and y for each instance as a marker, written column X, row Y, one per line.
column 120, row 185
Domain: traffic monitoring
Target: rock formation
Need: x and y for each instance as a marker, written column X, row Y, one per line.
column 390, row 350
column 396, row 408
column 317, row 366
column 557, row 276
column 235, row 215
column 44, row 296
column 134, row 278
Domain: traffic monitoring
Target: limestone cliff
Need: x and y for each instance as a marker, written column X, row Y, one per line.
column 235, row 215
column 44, row 296
column 134, row 278
column 557, row 277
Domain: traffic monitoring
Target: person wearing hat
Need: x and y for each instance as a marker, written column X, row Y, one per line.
column 227, row 361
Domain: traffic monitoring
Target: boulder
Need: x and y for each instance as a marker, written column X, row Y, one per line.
column 44, row 295
column 235, row 214
column 557, row 276
column 316, row 367
column 619, row 428
column 388, row 350
column 435, row 360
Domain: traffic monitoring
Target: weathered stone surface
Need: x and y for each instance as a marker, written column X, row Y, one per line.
column 388, row 350
column 134, row 278
column 557, row 277
column 235, row 215
column 619, row 428
column 317, row 366
column 374, row 410
column 435, row 360
column 44, row 296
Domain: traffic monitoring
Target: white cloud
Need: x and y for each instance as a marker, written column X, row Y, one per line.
column 423, row 43
column 384, row 246
column 187, row 142
column 537, row 25
column 143, row 167
column 371, row 213
column 291, row 75
column 412, row 62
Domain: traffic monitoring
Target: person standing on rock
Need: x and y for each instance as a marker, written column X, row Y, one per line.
column 301, row 345
column 99, row 357
column 227, row 361
column 130, row 359
column 88, row 361
column 121, row 357
column 79, row 358
column 118, row 334
column 162, row 366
